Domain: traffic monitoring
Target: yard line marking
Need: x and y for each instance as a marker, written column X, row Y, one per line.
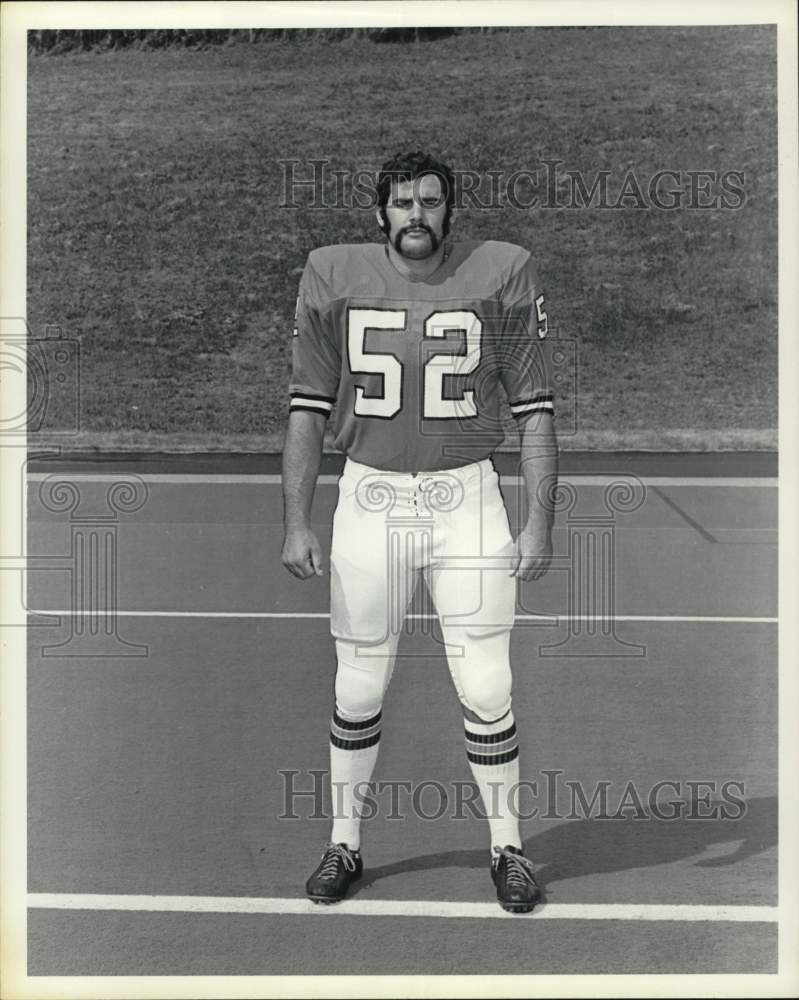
column 555, row 618
column 401, row 908
column 258, row 479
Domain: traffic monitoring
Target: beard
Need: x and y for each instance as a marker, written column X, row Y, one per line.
column 420, row 251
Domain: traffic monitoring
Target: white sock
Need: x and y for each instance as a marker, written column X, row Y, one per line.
column 353, row 754
column 493, row 753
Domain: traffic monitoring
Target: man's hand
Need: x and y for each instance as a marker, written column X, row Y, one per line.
column 533, row 555
column 302, row 553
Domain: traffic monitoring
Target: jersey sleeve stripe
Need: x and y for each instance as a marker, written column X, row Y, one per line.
column 542, row 402
column 316, row 404
column 297, row 408
column 296, row 394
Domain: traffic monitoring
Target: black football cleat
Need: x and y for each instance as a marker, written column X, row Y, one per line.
column 512, row 872
column 338, row 868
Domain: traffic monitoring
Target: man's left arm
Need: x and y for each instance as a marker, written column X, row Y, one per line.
column 539, row 462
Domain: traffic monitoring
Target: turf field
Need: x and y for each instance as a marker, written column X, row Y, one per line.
column 157, row 237
column 159, row 840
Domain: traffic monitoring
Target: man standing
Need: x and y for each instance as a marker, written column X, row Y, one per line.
column 414, row 341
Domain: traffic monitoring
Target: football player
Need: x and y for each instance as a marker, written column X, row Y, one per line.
column 415, row 340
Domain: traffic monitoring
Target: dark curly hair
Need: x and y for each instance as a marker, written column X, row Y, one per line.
column 407, row 166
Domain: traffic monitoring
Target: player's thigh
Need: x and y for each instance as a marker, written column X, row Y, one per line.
column 369, row 579
column 470, row 582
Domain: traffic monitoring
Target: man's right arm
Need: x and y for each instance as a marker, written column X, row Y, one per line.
column 302, row 454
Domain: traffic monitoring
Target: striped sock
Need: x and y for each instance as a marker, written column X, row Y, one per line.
column 493, row 753
column 353, row 753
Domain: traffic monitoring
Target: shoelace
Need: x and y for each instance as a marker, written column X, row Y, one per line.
column 519, row 869
column 330, row 861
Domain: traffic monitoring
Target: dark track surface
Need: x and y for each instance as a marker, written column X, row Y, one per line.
column 162, row 774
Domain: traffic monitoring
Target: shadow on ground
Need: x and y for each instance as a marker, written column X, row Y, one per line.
column 595, row 846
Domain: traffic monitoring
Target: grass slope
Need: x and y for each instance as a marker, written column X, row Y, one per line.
column 157, row 239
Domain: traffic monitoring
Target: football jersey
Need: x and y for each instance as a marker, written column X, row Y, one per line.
column 417, row 368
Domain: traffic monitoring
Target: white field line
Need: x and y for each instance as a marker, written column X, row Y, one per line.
column 544, row 619
column 401, row 908
column 257, row 479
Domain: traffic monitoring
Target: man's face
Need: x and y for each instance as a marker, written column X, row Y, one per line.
column 415, row 212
